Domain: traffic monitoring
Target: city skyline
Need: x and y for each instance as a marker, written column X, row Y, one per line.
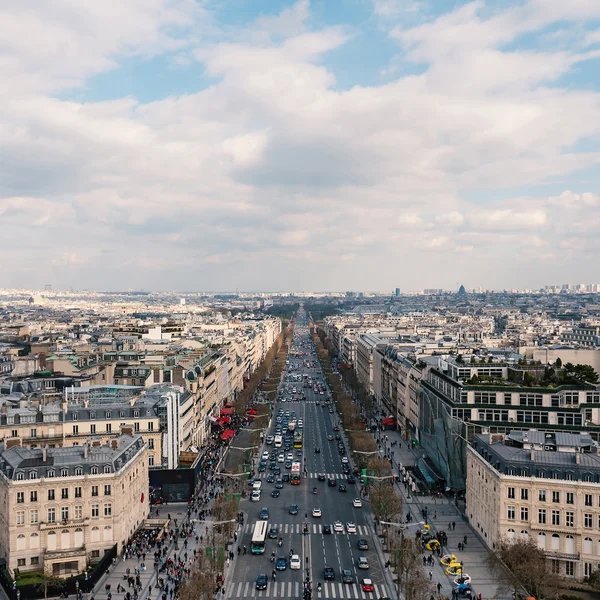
column 360, row 145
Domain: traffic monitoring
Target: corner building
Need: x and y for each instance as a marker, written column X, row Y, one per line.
column 63, row 508
column 542, row 486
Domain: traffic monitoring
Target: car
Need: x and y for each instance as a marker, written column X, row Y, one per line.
column 367, row 585
column 293, row 509
column 344, row 460
column 265, row 455
column 255, row 497
column 295, row 563
column 342, row 488
column 270, row 439
column 279, row 484
column 328, row 574
column 317, row 450
column 338, row 527
column 362, row 562
column 347, row 576
column 261, row 582
column 285, row 477
column 299, row 452
column 351, row 479
column 281, row 458
column 262, row 467
column 281, row 564
column 336, row 428
column 275, row 493
column 326, row 529
column 264, row 514
column 290, row 456
column 331, row 482
column 357, row 503
column 277, row 471
column 330, row 437
column 288, row 464
column 272, row 466
column 351, row 527
column 273, row 532
column 316, row 512
column 363, row 545
column 321, row 477
column 270, row 478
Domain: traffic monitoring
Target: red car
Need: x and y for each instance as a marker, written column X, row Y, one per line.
column 367, row 585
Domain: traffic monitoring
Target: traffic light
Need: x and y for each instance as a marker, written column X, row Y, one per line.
column 414, row 443
column 364, row 476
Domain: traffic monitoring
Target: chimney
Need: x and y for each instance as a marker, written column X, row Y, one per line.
column 86, row 447
column 532, row 454
column 577, row 458
column 114, row 444
column 44, row 453
column 4, row 409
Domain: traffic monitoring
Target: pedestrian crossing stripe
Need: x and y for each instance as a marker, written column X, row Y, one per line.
column 315, row 528
column 293, row 589
column 264, row 475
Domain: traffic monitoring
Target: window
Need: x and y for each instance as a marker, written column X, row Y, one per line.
column 589, row 500
column 50, row 494
column 556, row 497
column 33, row 475
column 569, row 569
column 108, row 428
column 77, row 492
column 92, row 415
column 94, row 470
column 587, row 520
column 136, row 413
column 151, row 460
column 136, row 426
column 150, row 426
column 64, row 493
column 542, row 495
column 556, row 517
column 524, row 513
column 75, row 429
column 21, row 562
column 122, row 414
column 33, row 496
column 570, row 498
column 510, row 513
column 524, row 494
column 93, row 428
column 95, row 510
column 570, row 518
column 511, row 492
column 20, row 497
column 106, row 469
column 20, row 476
column 51, row 515
column 33, row 517
column 151, row 444
column 33, row 433
column 107, row 490
column 75, row 416
column 20, row 517
column 50, row 473
column 14, row 433
column 108, row 510
column 78, row 511
column 542, row 516
column 64, row 513
column 94, row 490
column 78, row 471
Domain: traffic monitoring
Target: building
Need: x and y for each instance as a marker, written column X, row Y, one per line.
column 62, row 508
column 538, row 485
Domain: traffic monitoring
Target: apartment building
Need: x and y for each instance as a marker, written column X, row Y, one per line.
column 543, row 486
column 62, row 508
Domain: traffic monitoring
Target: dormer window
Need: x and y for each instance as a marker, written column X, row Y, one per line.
column 108, row 414
column 106, row 469
column 51, row 473
column 136, row 413
column 10, row 420
column 20, row 475
column 122, row 414
column 32, row 474
column 64, row 472
column 94, row 471
column 78, row 471
column 92, row 415
column 75, row 416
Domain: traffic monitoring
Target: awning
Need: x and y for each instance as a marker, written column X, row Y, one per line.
column 226, row 411
column 224, row 420
column 227, row 434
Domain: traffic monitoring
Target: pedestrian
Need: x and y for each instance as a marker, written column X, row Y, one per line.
column 453, row 525
column 449, row 526
column 465, row 541
column 424, row 561
column 435, row 514
column 430, row 575
column 245, row 550
column 439, row 588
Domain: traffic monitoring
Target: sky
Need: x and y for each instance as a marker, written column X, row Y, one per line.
column 214, row 145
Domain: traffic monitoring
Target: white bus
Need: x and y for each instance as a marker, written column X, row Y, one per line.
column 278, row 441
column 259, row 537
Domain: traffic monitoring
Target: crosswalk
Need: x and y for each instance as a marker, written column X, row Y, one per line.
column 293, row 589
column 315, row 528
column 264, row 475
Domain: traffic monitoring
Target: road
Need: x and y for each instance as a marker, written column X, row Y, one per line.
column 316, row 549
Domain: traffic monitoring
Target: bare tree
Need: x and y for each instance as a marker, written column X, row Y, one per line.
column 520, row 565
column 202, row 582
column 406, row 557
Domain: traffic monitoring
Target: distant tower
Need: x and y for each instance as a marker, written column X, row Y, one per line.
column 182, row 301
column 48, row 287
column 462, row 293
column 397, row 292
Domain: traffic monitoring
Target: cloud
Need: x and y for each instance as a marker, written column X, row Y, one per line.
column 272, row 175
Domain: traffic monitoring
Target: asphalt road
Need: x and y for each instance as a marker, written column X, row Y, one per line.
column 317, row 550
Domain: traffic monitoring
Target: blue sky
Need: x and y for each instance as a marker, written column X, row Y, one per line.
column 308, row 144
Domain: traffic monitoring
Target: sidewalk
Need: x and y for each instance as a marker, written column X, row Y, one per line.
column 442, row 514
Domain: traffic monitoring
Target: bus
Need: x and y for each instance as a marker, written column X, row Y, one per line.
column 278, row 441
column 296, row 475
column 259, row 537
column 297, row 439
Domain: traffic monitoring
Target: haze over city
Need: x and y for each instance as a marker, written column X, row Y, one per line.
column 322, row 145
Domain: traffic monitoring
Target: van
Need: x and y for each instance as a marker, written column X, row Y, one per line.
column 255, row 496
column 257, row 486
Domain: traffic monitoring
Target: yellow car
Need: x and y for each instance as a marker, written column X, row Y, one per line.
column 447, row 559
column 454, row 568
column 432, row 545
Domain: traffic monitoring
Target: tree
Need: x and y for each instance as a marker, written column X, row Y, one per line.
column 558, row 363
column 202, row 582
column 580, row 374
column 385, row 502
column 408, row 562
column 527, row 568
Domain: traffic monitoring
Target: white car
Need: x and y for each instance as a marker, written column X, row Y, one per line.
column 351, row 527
column 281, row 458
column 270, row 439
column 357, row 503
column 265, row 456
column 295, row 563
column 338, row 527
column 289, row 456
column 255, row 496
column 344, row 460
column 316, row 512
